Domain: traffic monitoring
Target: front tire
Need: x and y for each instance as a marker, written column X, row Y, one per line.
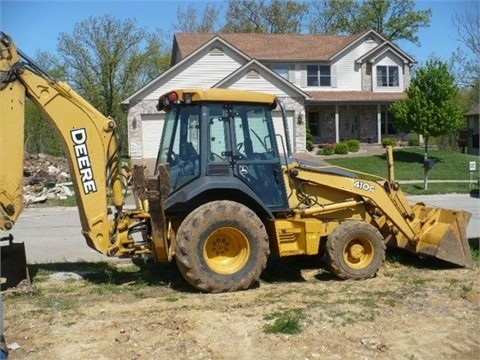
column 221, row 246
column 355, row 250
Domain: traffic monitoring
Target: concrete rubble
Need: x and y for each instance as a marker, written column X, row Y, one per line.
column 45, row 177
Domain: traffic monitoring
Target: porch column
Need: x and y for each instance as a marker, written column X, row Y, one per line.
column 379, row 124
column 337, row 125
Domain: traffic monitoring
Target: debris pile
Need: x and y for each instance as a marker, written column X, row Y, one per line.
column 45, row 177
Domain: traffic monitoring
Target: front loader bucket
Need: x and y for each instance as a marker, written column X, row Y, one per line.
column 13, row 266
column 441, row 233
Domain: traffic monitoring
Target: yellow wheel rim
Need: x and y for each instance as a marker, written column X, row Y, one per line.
column 226, row 250
column 358, row 253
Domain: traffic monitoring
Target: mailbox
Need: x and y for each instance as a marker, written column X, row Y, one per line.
column 428, row 163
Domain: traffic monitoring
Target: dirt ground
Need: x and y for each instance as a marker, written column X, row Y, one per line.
column 411, row 310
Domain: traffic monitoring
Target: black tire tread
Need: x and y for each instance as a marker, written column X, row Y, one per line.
column 335, row 244
column 188, row 259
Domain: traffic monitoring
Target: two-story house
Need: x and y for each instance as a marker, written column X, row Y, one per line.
column 340, row 85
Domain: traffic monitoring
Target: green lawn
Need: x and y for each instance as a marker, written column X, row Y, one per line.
column 408, row 165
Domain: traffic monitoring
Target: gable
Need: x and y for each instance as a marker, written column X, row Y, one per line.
column 203, row 68
column 257, row 77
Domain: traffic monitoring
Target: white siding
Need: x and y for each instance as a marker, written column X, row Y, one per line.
column 346, row 74
column 203, row 72
column 260, row 84
column 152, row 127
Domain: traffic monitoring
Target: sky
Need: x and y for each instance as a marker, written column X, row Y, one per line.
column 35, row 25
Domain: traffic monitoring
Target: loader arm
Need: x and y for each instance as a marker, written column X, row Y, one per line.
column 89, row 141
column 435, row 232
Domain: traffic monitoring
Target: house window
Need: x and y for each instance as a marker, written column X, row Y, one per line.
column 281, row 69
column 387, row 76
column 319, row 75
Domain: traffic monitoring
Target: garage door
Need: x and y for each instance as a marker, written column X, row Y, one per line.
column 152, row 126
column 279, row 129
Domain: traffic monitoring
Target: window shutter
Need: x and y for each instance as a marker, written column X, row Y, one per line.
column 303, row 76
column 333, row 74
column 291, row 74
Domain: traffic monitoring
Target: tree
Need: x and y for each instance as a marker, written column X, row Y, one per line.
column 107, row 59
column 190, row 20
column 274, row 17
column 393, row 19
column 332, row 17
column 430, row 108
column 40, row 136
column 466, row 61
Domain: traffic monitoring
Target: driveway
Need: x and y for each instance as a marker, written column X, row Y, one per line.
column 53, row 234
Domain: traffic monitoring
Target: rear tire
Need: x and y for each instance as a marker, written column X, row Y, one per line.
column 355, row 250
column 221, row 246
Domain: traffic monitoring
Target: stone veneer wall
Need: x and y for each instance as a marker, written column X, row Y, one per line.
column 368, row 123
column 134, row 118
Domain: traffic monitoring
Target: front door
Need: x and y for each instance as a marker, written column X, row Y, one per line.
column 348, row 124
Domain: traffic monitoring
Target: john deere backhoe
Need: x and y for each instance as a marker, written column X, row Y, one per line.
column 226, row 192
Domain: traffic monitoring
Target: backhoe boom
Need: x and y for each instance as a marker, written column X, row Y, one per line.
column 89, row 141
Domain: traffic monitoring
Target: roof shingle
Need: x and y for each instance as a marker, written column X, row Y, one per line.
column 292, row 47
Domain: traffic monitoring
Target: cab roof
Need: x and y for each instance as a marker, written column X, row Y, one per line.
column 224, row 95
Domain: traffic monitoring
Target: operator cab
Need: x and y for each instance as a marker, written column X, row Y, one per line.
column 218, row 141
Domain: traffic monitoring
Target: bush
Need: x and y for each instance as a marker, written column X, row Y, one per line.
column 353, row 145
column 341, row 148
column 309, row 138
column 413, row 142
column 310, row 145
column 326, row 150
column 389, row 142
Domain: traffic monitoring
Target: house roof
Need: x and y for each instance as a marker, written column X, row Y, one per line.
column 291, row 47
column 354, row 96
column 382, row 49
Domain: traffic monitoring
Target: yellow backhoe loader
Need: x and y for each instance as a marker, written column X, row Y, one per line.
column 226, row 192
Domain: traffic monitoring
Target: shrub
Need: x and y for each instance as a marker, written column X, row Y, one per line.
column 309, row 145
column 341, row 148
column 309, row 138
column 413, row 142
column 389, row 141
column 353, row 145
column 326, row 149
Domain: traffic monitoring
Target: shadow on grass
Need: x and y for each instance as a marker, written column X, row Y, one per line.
column 406, row 258
column 408, row 157
column 289, row 269
column 112, row 273
column 278, row 270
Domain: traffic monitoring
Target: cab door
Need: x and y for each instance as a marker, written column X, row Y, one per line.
column 255, row 158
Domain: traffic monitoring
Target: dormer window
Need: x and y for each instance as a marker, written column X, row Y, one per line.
column 387, row 76
column 319, row 75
